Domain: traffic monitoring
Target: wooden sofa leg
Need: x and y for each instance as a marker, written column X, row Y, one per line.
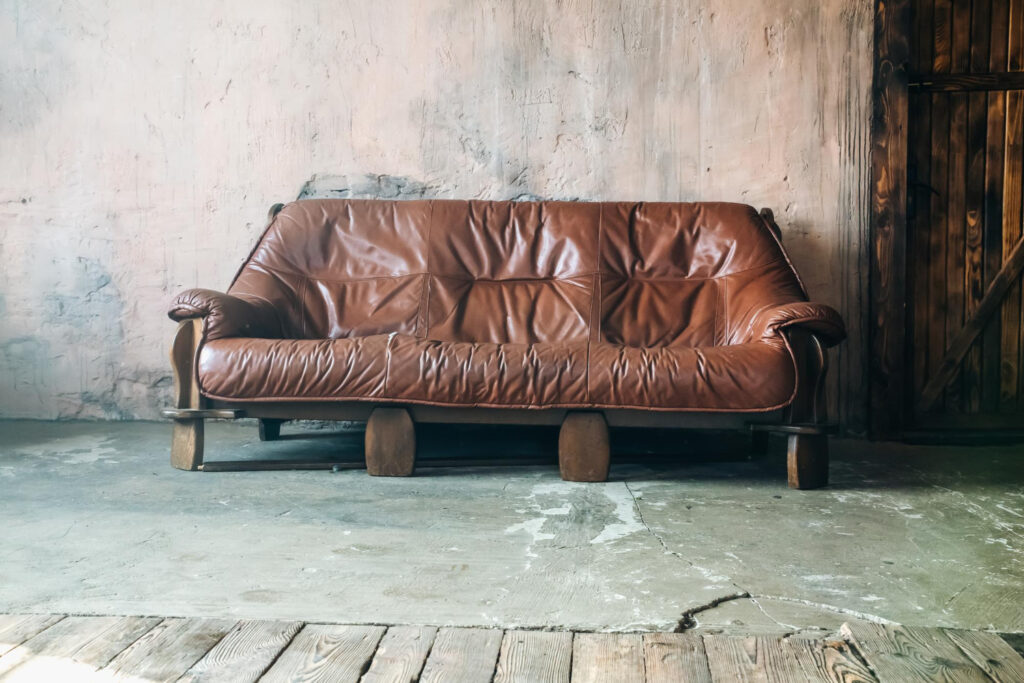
column 583, row 448
column 807, row 461
column 270, row 429
column 390, row 443
column 187, row 444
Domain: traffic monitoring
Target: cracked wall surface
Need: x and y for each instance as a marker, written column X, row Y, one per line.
column 143, row 142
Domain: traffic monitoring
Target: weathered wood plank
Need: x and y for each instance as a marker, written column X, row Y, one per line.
column 462, row 655
column 968, row 82
column 401, row 654
column 1013, row 188
column 321, row 652
column 828, row 661
column 962, row 341
column 993, row 249
column 753, row 658
column 168, row 650
column 907, row 654
column 528, row 656
column 888, row 217
column 938, row 229
column 956, row 239
column 942, row 50
column 17, row 628
column 245, row 652
column 608, row 657
column 974, row 243
column 990, row 653
column 675, row 657
column 919, row 229
column 72, row 648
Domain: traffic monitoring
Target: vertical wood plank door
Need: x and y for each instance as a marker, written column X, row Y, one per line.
column 965, row 165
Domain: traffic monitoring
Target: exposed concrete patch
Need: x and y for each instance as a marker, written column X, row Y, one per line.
column 95, row 521
column 366, row 186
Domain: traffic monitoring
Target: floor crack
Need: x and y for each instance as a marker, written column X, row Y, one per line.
column 687, row 620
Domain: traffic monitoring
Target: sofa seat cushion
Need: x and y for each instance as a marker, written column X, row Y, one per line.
column 756, row 376
column 746, row 377
column 395, row 367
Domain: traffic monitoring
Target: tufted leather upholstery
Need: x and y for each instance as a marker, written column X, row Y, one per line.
column 510, row 304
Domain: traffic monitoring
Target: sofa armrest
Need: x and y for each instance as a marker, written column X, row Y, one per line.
column 227, row 315
column 821, row 320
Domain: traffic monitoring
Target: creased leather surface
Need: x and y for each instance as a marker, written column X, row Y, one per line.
column 225, row 315
column 519, row 304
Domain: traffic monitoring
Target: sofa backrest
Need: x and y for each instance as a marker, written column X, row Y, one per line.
column 640, row 274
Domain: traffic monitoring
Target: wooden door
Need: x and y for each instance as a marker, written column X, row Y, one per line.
column 964, row 363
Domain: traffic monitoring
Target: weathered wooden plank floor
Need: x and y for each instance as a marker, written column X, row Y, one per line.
column 77, row 648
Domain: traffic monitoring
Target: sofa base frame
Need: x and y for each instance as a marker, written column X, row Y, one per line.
column 583, row 452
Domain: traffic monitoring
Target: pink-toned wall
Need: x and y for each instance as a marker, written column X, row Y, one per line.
column 142, row 142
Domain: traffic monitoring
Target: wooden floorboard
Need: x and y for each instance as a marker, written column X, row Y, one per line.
column 463, row 655
column 675, row 657
column 168, row 650
column 79, row 648
column 245, row 653
column 72, row 647
column 17, row 628
column 600, row 657
column 908, row 653
column 401, row 654
column 325, row 652
column 535, row 656
column 753, row 659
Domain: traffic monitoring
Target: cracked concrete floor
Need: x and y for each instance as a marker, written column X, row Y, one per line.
column 94, row 521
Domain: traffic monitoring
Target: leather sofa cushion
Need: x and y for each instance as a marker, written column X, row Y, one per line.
column 747, row 377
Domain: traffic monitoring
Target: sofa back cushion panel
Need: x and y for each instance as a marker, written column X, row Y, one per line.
column 526, row 311
column 636, row 274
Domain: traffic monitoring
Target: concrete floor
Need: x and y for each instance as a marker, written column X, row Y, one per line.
column 94, row 521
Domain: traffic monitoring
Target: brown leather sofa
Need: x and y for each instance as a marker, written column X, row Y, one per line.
column 579, row 314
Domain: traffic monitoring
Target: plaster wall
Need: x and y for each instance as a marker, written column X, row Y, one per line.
column 141, row 144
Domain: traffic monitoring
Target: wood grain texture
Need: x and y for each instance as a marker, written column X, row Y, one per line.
column 905, row 653
column 888, row 217
column 807, row 460
column 956, row 241
column 168, row 650
column 187, row 435
column 675, row 657
column 401, row 654
column 390, row 443
column 1010, row 384
column 245, row 652
column 827, row 661
column 72, row 648
column 17, row 628
column 528, row 656
column 462, row 655
column 935, row 343
column 974, row 256
column 990, row 653
column 322, row 652
column 964, row 338
column 584, row 450
column 992, row 213
column 608, row 658
column 969, row 82
column 751, row 659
